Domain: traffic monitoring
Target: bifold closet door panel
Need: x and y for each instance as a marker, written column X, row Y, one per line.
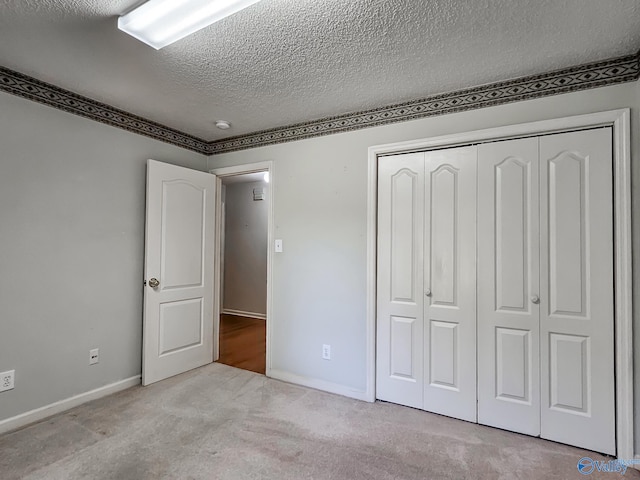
column 399, row 355
column 508, row 286
column 450, row 282
column 577, row 346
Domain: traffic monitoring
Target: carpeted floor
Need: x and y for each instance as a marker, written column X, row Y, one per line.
column 218, row 422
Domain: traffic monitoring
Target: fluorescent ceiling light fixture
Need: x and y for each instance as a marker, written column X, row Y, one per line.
column 159, row 23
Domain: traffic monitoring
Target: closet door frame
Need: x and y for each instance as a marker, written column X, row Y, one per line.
column 620, row 123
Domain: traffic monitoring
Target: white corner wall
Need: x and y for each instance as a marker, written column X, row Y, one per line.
column 245, row 249
column 72, row 206
column 319, row 190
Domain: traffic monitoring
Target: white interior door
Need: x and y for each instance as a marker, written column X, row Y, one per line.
column 399, row 353
column 179, row 271
column 450, row 283
column 508, row 286
column 576, row 328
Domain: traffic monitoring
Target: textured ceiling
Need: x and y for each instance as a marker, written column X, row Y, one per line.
column 281, row 62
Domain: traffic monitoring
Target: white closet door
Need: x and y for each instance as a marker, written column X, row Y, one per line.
column 576, row 329
column 399, row 371
column 508, row 286
column 450, row 283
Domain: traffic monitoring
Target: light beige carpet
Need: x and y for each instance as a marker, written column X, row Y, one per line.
column 218, row 422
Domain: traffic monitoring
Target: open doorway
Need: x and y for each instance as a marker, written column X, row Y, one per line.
column 244, row 199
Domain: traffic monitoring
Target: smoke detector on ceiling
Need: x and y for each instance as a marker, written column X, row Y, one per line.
column 223, row 125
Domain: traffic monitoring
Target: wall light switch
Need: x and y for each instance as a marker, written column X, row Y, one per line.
column 279, row 246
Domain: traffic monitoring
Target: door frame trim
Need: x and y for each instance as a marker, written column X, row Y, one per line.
column 220, row 173
column 619, row 120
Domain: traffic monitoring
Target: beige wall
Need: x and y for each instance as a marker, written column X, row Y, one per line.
column 245, row 249
column 320, row 204
column 72, row 201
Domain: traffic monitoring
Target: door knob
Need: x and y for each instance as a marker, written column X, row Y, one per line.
column 535, row 299
column 427, row 292
column 153, row 283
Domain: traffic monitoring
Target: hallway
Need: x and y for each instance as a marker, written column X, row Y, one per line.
column 243, row 342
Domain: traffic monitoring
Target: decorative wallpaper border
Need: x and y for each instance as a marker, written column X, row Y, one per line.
column 591, row 75
column 42, row 92
column 581, row 77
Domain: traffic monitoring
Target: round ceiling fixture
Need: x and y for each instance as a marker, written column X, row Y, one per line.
column 223, row 125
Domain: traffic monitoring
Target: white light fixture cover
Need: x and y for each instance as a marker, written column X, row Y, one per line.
column 159, row 23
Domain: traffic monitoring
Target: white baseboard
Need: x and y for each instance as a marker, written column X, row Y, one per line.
column 318, row 384
column 242, row 313
column 41, row 413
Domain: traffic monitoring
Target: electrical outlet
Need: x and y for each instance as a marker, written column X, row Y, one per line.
column 326, row 352
column 7, row 380
column 94, row 356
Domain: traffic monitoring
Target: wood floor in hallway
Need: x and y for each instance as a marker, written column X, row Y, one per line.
column 243, row 342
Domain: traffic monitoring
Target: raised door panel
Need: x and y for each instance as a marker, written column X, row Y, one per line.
column 577, row 362
column 405, row 349
column 569, row 360
column 181, row 325
column 567, row 235
column 443, row 350
column 511, row 212
column 443, row 233
column 403, row 216
column 508, row 282
column 450, row 283
column 183, row 208
column 399, row 366
column 513, row 365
